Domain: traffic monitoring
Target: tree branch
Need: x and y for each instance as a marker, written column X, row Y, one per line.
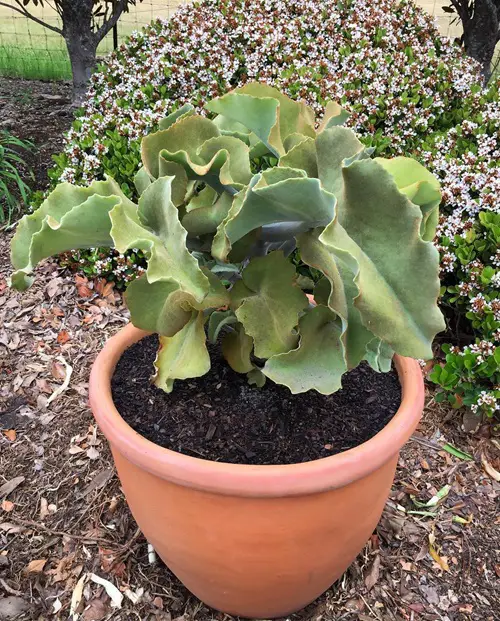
column 27, row 14
column 112, row 21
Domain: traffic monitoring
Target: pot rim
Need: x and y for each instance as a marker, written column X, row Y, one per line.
column 263, row 481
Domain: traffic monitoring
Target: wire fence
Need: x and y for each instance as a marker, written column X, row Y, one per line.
column 28, row 50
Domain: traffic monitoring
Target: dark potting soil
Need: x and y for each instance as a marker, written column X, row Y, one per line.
column 222, row 418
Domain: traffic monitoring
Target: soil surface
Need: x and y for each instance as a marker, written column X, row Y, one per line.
column 40, row 112
column 221, row 417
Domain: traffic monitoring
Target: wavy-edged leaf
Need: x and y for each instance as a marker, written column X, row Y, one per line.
column 180, row 181
column 334, row 115
column 318, row 362
column 186, row 110
column 219, row 319
column 71, row 217
column 420, row 186
column 302, row 156
column 163, row 307
column 380, row 227
column 297, row 201
column 186, row 135
column 256, row 378
column 333, row 146
column 153, row 308
column 183, row 355
column 269, row 114
column 142, row 180
column 340, row 270
column 268, row 303
column 379, row 356
column 205, row 220
column 155, row 229
column 237, row 350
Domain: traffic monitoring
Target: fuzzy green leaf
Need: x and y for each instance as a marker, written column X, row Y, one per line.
column 186, row 110
column 268, row 302
column 379, row 356
column 237, row 349
column 333, row 146
column 340, row 269
column 155, row 229
column 295, row 200
column 420, row 186
column 219, row 319
column 266, row 112
column 204, row 220
column 71, row 217
column 318, row 362
column 163, row 307
column 394, row 262
column 302, row 156
column 183, row 355
column 190, row 133
column 334, row 115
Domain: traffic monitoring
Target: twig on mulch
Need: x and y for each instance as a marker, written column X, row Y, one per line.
column 58, row 533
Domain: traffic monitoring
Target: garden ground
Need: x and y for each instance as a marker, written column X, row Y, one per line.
column 63, row 518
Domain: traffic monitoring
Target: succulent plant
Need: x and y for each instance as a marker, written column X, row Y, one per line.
column 223, row 203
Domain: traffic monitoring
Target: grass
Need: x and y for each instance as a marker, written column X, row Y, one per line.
column 34, row 64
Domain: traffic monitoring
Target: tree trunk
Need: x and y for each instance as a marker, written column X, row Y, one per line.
column 81, row 43
column 481, row 34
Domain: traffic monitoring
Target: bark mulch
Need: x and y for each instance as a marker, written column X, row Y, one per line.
column 64, row 521
column 40, row 112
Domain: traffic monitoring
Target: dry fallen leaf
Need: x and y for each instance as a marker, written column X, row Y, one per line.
column 11, row 529
column 58, row 370
column 93, row 453
column 44, row 508
column 82, row 287
column 96, row 610
column 488, row 468
column 111, row 590
column 442, row 561
column 373, row 573
column 76, row 597
column 10, row 486
column 11, row 607
column 408, row 566
column 63, row 569
column 10, row 434
column 36, row 566
column 7, row 505
column 63, row 337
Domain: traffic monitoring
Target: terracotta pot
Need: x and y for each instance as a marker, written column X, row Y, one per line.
column 255, row 541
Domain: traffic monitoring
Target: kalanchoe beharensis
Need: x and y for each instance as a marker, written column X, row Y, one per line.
column 218, row 237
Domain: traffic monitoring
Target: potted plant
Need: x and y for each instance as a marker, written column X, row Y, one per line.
column 224, row 203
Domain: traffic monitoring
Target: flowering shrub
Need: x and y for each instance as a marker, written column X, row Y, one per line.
column 403, row 85
column 467, row 158
column 383, row 60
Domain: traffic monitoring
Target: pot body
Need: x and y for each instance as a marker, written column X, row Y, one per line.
column 253, row 541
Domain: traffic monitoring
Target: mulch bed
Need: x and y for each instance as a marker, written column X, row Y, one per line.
column 221, row 417
column 40, row 112
column 64, row 523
